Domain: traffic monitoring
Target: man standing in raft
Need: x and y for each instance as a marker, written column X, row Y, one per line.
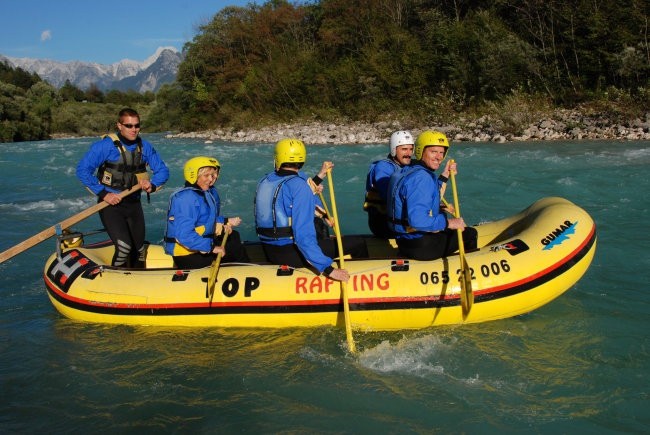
column 401, row 150
column 117, row 163
column 284, row 217
column 423, row 231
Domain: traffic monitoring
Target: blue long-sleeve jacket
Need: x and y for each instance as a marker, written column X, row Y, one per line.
column 191, row 220
column 105, row 150
column 296, row 201
column 414, row 202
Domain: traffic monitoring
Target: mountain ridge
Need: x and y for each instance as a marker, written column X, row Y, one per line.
column 149, row 75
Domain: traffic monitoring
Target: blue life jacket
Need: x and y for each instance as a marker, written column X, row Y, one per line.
column 197, row 235
column 414, row 202
column 271, row 221
column 396, row 204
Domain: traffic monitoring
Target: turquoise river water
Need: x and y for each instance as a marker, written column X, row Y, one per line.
column 577, row 365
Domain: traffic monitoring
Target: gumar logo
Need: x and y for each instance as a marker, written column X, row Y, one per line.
column 560, row 234
column 513, row 247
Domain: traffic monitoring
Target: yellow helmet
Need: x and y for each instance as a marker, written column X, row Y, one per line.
column 430, row 138
column 290, row 151
column 192, row 166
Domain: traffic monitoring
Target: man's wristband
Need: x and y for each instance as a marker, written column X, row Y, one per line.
column 442, row 178
column 328, row 270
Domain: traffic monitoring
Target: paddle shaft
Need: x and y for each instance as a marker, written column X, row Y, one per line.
column 322, row 199
column 344, row 287
column 466, row 294
column 214, row 270
column 67, row 223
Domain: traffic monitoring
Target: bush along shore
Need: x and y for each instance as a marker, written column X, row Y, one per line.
column 561, row 125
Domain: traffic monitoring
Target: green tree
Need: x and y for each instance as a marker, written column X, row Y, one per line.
column 169, row 108
column 487, row 60
column 94, row 94
column 17, row 76
column 70, row 92
column 43, row 98
column 11, row 111
column 26, row 115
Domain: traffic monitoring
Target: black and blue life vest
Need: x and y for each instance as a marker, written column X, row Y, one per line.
column 122, row 174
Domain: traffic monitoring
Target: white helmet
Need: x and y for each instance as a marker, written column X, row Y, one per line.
column 401, row 137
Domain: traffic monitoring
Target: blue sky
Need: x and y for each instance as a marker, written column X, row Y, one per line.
column 99, row 30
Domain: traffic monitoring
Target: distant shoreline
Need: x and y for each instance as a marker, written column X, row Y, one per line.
column 564, row 125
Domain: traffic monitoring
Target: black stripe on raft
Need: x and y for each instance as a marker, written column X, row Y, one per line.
column 419, row 303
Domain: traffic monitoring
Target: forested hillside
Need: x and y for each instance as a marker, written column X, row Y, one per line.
column 371, row 60
column 366, row 59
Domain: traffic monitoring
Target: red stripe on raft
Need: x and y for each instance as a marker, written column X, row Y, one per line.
column 541, row 273
column 64, row 295
column 324, row 302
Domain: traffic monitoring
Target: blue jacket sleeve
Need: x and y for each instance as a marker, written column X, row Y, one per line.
column 302, row 203
column 97, row 154
column 160, row 172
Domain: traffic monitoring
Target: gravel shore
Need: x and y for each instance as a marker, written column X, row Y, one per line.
column 562, row 125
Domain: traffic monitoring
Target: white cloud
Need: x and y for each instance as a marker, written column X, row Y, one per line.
column 46, row 35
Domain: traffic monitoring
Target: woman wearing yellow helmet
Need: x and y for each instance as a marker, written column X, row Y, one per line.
column 195, row 226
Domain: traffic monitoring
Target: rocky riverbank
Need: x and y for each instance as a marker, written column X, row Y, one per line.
column 561, row 125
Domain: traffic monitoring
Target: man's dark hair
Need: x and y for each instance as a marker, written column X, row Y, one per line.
column 127, row 111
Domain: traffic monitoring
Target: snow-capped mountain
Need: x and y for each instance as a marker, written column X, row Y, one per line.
column 149, row 75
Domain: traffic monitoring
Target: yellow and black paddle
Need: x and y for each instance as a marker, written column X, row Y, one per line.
column 466, row 293
column 344, row 287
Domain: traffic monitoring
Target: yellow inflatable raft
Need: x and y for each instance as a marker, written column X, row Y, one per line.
column 524, row 262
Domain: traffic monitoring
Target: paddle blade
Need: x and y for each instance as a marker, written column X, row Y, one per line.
column 346, row 313
column 466, row 293
column 344, row 290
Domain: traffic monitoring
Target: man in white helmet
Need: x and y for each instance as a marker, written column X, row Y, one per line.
column 401, row 150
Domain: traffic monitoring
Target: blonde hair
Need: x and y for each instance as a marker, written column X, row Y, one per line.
column 205, row 169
